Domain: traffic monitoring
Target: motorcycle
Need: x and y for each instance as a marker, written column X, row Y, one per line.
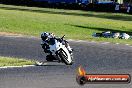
column 58, row 51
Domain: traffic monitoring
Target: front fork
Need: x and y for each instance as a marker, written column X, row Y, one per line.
column 57, row 56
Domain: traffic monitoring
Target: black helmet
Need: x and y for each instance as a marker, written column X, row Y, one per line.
column 44, row 35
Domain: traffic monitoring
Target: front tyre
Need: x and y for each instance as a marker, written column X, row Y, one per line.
column 64, row 57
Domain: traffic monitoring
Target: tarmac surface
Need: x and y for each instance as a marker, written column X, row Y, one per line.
column 96, row 58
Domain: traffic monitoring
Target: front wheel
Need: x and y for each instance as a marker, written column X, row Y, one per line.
column 64, row 57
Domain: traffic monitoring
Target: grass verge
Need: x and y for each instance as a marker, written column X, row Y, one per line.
column 75, row 24
column 9, row 61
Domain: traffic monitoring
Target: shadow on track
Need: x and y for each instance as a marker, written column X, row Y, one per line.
column 46, row 63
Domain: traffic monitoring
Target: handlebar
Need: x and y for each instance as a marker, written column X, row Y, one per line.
column 62, row 37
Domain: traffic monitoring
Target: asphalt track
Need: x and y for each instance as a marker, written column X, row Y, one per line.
column 94, row 57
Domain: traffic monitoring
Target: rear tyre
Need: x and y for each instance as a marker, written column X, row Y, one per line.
column 49, row 58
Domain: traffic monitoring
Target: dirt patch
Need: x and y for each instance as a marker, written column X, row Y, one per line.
column 9, row 34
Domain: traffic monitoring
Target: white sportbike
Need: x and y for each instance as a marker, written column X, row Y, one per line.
column 59, row 51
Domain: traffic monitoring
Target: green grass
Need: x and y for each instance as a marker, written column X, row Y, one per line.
column 9, row 61
column 75, row 24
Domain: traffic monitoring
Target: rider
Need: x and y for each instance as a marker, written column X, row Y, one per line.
column 45, row 40
column 45, row 36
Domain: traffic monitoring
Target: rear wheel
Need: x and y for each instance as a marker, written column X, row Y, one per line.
column 49, row 58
